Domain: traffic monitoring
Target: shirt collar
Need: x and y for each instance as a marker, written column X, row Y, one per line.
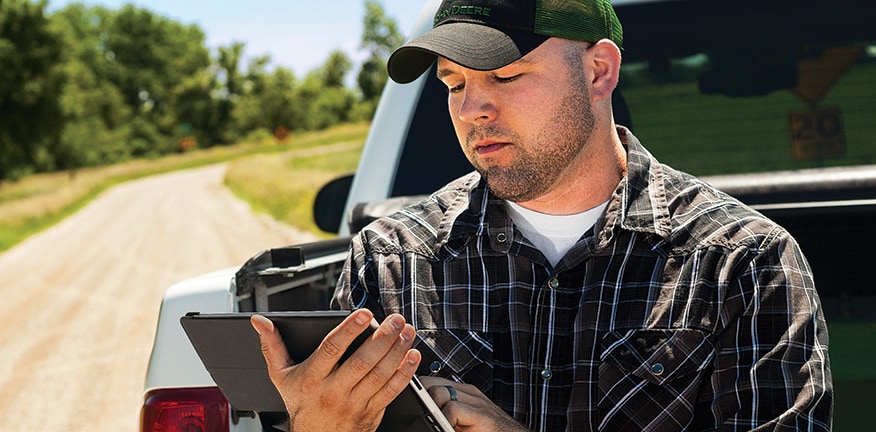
column 642, row 201
column 638, row 204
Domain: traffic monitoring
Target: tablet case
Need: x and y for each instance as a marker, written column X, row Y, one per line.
column 230, row 350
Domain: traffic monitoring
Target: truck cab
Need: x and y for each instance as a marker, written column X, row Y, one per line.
column 770, row 101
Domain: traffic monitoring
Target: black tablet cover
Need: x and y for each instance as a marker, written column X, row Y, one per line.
column 230, row 350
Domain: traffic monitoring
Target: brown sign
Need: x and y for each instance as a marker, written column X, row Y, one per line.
column 817, row 133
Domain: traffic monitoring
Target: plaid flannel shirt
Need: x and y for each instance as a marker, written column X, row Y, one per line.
column 682, row 309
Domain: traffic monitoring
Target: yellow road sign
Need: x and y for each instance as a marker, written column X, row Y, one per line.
column 815, row 77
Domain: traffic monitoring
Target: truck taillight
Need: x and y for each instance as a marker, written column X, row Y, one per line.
column 185, row 410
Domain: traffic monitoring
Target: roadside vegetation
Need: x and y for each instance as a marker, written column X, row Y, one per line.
column 284, row 185
column 114, row 95
column 277, row 178
column 108, row 86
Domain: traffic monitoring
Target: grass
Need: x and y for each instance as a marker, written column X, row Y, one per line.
column 285, row 185
column 35, row 203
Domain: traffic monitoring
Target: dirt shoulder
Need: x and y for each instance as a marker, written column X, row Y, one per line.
column 80, row 301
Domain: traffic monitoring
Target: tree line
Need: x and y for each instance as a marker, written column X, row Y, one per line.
column 87, row 86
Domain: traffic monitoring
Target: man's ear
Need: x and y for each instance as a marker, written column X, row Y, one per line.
column 605, row 57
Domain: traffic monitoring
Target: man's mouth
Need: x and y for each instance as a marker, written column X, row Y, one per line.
column 487, row 147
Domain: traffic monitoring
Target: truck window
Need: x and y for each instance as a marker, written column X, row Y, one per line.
column 738, row 87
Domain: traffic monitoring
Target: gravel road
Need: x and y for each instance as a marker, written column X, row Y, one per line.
column 79, row 302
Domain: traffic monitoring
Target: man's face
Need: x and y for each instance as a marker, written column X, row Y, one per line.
column 525, row 126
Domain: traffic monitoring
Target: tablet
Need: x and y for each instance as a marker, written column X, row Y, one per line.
column 230, row 350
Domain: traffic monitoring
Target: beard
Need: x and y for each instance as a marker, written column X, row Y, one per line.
column 538, row 164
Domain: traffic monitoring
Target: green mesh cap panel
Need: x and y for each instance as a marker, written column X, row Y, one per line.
column 584, row 20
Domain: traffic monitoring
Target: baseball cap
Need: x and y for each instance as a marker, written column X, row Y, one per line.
column 489, row 34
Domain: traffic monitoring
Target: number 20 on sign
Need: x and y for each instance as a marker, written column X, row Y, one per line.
column 817, row 133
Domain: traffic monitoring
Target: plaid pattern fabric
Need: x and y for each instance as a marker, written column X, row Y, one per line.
column 681, row 310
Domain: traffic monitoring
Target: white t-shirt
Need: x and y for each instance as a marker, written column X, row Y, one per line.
column 553, row 235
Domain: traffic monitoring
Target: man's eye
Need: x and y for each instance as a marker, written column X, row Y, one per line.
column 455, row 89
column 507, row 79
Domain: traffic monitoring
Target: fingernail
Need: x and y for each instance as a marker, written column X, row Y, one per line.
column 397, row 322
column 362, row 317
column 408, row 334
column 261, row 324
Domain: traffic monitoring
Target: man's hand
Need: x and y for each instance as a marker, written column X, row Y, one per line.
column 321, row 395
column 467, row 409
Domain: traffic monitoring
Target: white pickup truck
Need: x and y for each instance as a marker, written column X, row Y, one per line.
column 744, row 71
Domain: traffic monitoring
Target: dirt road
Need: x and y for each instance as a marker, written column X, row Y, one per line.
column 79, row 302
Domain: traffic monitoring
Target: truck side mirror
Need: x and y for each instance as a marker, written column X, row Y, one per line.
column 328, row 207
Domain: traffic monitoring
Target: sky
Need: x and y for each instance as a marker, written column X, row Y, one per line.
column 296, row 34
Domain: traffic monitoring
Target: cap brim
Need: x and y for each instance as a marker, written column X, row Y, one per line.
column 474, row 46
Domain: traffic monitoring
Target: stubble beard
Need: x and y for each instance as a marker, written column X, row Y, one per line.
column 537, row 166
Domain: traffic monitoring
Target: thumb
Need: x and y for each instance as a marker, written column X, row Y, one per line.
column 273, row 347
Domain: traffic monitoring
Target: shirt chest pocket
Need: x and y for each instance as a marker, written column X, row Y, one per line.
column 658, row 356
column 644, row 373
column 461, row 355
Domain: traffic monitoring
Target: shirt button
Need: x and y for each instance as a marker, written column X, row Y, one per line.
column 657, row 369
column 435, row 367
column 501, row 237
column 554, row 283
column 546, row 374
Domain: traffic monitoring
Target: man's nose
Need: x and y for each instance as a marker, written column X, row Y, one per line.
column 478, row 105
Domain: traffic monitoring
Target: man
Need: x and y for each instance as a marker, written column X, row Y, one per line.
column 572, row 282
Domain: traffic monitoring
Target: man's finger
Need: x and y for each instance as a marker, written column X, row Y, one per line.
column 399, row 380
column 444, row 391
column 388, row 366
column 381, row 343
column 273, row 347
column 335, row 344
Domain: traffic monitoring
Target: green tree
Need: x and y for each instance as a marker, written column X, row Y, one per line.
column 282, row 110
column 90, row 86
column 269, row 102
column 380, row 36
column 97, row 118
column 335, row 68
column 380, row 33
column 30, row 85
column 229, row 62
column 97, row 121
column 324, row 99
column 148, row 57
column 332, row 106
column 198, row 111
column 229, row 68
column 372, row 77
